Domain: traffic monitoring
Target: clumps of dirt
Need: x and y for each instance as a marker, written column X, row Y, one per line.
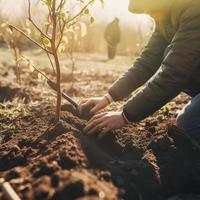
column 73, row 184
column 67, row 151
column 24, row 142
column 85, row 114
column 11, row 157
column 162, row 143
column 84, row 184
column 46, row 168
column 149, row 160
column 54, row 131
column 52, row 165
column 8, row 93
column 14, row 173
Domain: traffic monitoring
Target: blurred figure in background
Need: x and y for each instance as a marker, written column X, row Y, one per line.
column 112, row 37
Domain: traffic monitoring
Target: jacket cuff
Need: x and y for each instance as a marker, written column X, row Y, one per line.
column 109, row 98
column 113, row 95
column 127, row 116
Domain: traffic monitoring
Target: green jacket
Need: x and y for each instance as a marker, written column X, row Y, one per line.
column 112, row 33
column 174, row 49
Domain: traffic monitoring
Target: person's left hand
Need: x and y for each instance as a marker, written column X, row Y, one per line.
column 105, row 122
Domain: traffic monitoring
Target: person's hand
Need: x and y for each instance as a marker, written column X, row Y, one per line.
column 94, row 104
column 105, row 122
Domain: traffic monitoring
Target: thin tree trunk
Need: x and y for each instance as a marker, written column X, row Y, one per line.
column 56, row 60
column 58, row 80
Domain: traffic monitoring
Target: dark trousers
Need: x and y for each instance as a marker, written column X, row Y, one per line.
column 111, row 51
column 189, row 118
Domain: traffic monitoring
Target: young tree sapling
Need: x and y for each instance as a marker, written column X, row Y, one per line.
column 59, row 20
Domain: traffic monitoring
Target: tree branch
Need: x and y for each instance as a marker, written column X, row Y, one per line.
column 33, row 23
column 72, row 20
column 32, row 65
column 62, row 33
column 50, row 60
column 62, row 2
column 82, row 10
column 24, row 34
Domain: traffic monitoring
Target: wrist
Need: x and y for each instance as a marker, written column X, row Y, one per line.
column 108, row 98
column 125, row 118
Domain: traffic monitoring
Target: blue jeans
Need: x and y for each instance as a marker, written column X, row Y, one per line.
column 189, row 118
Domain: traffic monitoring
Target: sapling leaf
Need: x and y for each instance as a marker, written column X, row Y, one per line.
column 31, row 68
column 28, row 31
column 62, row 15
column 167, row 108
column 61, row 48
column 102, row 2
column 87, row 12
column 81, row 1
column 2, row 113
column 41, row 77
column 92, row 20
column 48, row 2
column 9, row 30
column 65, row 40
column 19, row 59
column 82, row 28
column 45, row 41
column 13, row 127
column 47, row 23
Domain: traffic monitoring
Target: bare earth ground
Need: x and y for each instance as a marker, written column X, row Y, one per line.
column 150, row 160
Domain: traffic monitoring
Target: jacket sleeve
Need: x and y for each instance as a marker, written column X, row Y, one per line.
column 177, row 70
column 144, row 67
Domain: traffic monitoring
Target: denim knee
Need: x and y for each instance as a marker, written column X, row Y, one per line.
column 189, row 118
column 181, row 121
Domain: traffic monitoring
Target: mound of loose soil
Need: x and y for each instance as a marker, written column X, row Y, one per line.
column 148, row 160
column 8, row 93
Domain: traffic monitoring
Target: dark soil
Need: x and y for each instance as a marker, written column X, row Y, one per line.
column 151, row 160
column 8, row 93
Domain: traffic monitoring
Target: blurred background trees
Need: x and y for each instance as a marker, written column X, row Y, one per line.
column 135, row 29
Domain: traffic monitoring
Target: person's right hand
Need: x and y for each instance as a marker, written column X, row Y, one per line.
column 93, row 104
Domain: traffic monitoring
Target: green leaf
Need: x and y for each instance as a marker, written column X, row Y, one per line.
column 102, row 2
column 92, row 20
column 48, row 2
column 61, row 15
column 87, row 11
column 28, row 31
column 2, row 113
column 167, row 108
column 45, row 41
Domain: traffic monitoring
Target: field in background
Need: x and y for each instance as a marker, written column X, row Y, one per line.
column 88, row 67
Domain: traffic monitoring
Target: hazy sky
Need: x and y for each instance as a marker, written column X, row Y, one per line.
column 112, row 8
column 11, row 8
column 117, row 8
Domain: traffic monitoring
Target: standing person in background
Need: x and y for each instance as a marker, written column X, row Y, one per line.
column 112, row 37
